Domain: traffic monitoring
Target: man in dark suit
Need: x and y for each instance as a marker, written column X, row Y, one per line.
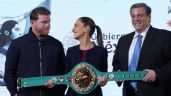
column 154, row 55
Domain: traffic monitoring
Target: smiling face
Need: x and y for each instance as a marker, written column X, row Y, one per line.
column 79, row 29
column 140, row 20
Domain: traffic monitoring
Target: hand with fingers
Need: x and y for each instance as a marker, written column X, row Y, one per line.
column 50, row 84
column 150, row 76
column 102, row 80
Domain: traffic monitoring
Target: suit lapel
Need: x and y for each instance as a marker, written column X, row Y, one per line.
column 127, row 46
column 147, row 43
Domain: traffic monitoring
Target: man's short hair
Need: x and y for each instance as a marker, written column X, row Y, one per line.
column 145, row 6
column 39, row 11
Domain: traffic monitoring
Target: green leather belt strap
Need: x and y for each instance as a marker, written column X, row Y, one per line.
column 82, row 78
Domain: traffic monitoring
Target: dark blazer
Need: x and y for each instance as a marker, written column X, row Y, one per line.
column 155, row 54
column 97, row 56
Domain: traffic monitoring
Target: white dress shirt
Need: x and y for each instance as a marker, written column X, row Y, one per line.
column 134, row 40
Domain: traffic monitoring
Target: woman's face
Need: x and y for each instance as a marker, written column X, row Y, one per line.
column 16, row 32
column 78, row 29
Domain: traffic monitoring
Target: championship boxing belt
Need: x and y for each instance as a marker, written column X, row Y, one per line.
column 82, row 78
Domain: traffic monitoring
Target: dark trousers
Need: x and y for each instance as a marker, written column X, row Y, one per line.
column 128, row 90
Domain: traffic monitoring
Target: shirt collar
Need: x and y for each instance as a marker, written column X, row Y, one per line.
column 142, row 33
column 34, row 37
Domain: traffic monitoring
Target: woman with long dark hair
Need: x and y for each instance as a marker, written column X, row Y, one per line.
column 9, row 30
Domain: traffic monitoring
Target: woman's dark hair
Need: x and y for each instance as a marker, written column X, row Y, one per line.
column 89, row 22
column 6, row 30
